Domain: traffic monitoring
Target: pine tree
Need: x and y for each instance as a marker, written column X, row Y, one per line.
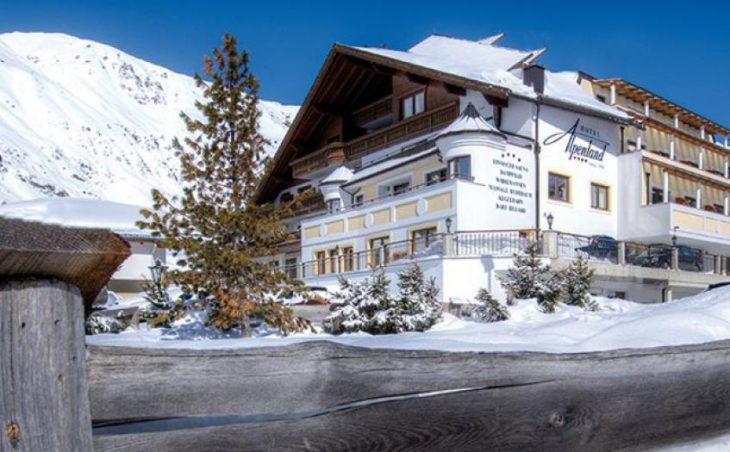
column 368, row 306
column 488, row 308
column 549, row 287
column 521, row 280
column 379, row 306
column 216, row 229
column 577, row 280
column 530, row 278
column 418, row 306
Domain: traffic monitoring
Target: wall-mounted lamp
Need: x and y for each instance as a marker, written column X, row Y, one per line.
column 448, row 225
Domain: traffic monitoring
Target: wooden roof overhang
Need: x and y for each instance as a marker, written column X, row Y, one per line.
column 348, row 75
column 659, row 103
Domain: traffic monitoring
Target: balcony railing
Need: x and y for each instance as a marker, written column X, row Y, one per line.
column 420, row 124
column 601, row 249
column 374, row 111
column 336, row 153
column 332, row 154
column 507, row 243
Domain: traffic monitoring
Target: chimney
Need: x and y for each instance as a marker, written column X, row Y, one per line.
column 534, row 76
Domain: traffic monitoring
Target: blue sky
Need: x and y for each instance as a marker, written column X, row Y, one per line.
column 676, row 49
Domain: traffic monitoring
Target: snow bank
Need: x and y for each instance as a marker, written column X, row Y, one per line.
column 618, row 324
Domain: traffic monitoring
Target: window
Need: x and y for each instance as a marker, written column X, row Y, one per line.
column 601, row 98
column 290, row 266
column 333, row 258
column 413, row 105
column 379, row 251
column 401, row 188
column 460, row 168
column 435, row 177
column 333, row 205
column 348, row 256
column 286, row 197
column 691, row 200
column 423, row 238
column 599, row 197
column 558, row 187
column 321, row 258
column 657, row 195
column 358, row 200
column 394, row 188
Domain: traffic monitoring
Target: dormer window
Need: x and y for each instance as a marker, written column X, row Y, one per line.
column 413, row 104
column 334, row 205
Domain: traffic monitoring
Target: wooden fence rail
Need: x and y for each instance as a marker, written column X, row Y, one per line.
column 325, row 396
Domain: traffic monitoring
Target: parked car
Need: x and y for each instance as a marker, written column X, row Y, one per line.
column 601, row 247
column 659, row 255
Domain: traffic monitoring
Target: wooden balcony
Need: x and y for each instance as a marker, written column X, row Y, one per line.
column 332, row 154
column 373, row 112
column 337, row 153
column 414, row 126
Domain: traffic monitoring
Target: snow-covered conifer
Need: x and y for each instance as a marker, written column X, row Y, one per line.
column 577, row 279
column 488, row 308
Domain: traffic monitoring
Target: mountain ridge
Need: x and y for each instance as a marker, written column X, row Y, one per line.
column 84, row 119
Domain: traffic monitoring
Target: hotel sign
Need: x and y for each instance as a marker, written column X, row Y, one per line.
column 582, row 143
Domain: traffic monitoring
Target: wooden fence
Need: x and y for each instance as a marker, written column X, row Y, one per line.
column 325, row 396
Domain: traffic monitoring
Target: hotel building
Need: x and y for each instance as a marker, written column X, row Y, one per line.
column 458, row 153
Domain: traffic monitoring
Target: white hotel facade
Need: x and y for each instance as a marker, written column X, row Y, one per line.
column 458, row 153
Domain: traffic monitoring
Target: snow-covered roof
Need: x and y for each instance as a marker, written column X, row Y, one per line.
column 484, row 61
column 81, row 213
column 469, row 121
column 389, row 163
column 338, row 175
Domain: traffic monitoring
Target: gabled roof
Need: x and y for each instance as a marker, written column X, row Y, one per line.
column 482, row 66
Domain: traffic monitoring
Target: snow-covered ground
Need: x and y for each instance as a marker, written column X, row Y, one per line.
column 79, row 118
column 618, row 324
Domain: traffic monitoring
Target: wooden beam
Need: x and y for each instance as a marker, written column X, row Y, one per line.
column 496, row 101
column 269, row 398
column 453, row 89
column 417, row 78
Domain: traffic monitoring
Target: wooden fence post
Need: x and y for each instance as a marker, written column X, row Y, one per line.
column 44, row 402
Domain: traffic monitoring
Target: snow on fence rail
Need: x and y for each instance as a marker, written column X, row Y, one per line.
column 492, row 243
column 327, row 396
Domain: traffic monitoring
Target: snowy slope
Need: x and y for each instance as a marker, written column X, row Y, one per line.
column 79, row 118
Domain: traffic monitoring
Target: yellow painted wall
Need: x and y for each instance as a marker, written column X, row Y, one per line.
column 417, row 170
column 311, row 232
column 356, row 223
column 687, row 221
column 336, row 227
column 381, row 217
column 439, row 202
column 405, row 211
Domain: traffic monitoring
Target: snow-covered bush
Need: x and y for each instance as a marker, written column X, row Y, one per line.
column 576, row 282
column 488, row 308
column 418, row 305
column 530, row 278
column 99, row 323
column 549, row 288
column 368, row 306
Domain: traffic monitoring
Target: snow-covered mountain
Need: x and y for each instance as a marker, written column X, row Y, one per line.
column 83, row 119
